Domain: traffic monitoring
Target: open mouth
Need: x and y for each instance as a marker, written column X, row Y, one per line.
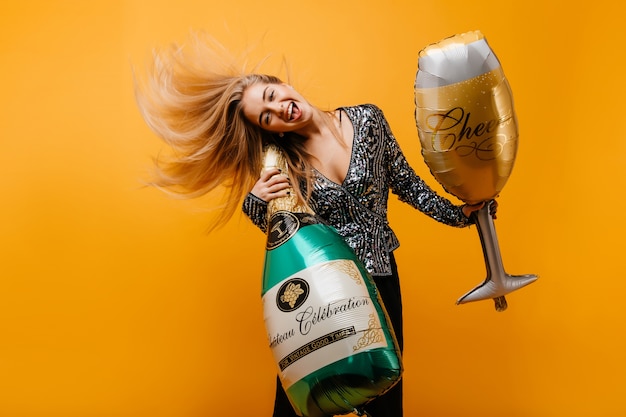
column 292, row 111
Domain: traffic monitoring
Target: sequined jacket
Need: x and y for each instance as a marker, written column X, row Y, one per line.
column 357, row 208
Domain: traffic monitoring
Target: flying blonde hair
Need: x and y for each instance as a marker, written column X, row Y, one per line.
column 191, row 98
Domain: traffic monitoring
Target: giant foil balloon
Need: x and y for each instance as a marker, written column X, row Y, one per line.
column 328, row 330
column 468, row 133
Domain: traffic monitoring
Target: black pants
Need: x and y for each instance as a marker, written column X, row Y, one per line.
column 390, row 403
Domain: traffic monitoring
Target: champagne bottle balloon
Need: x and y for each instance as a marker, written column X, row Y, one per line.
column 468, row 133
column 328, row 330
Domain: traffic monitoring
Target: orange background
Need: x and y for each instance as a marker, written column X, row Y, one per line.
column 114, row 303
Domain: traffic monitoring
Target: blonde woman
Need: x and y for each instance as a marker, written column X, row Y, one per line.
column 342, row 164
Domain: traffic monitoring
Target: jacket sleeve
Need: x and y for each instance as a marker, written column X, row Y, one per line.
column 411, row 189
column 256, row 210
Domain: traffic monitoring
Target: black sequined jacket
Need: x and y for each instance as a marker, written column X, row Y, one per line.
column 357, row 208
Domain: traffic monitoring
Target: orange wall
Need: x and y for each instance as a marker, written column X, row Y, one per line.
column 113, row 303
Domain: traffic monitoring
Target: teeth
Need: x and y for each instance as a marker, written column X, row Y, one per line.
column 289, row 111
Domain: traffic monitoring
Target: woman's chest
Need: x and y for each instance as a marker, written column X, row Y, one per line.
column 364, row 185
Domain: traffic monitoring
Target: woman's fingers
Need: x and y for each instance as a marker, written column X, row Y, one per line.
column 493, row 209
column 468, row 209
column 272, row 184
column 269, row 173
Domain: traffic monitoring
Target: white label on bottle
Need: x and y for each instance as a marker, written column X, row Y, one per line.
column 318, row 316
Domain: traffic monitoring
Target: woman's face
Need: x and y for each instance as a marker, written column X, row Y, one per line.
column 275, row 107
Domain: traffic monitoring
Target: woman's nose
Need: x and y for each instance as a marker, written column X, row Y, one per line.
column 277, row 108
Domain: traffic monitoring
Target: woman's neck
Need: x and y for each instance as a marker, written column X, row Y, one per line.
column 325, row 126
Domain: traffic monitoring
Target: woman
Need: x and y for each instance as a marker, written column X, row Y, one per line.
column 341, row 163
column 352, row 174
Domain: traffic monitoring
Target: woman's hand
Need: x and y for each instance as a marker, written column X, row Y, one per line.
column 469, row 209
column 271, row 185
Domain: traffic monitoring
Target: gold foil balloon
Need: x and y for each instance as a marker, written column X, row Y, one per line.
column 327, row 328
column 468, row 133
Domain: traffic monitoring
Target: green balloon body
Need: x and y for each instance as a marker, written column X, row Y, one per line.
column 327, row 328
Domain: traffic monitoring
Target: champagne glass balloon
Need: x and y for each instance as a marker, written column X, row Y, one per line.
column 468, row 133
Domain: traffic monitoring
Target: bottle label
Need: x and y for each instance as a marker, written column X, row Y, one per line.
column 318, row 316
